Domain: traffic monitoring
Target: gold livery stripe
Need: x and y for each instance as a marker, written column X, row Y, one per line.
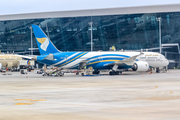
column 72, row 59
column 41, row 40
column 102, row 61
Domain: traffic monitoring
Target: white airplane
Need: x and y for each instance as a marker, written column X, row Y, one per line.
column 9, row 61
column 112, row 60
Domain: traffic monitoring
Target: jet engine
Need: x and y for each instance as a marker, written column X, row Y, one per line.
column 10, row 64
column 140, row 66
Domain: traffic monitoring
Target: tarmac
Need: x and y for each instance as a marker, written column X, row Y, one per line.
column 131, row 96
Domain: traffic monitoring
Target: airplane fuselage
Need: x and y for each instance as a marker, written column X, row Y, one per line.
column 100, row 60
column 9, row 60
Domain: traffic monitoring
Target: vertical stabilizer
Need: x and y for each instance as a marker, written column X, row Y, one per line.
column 44, row 43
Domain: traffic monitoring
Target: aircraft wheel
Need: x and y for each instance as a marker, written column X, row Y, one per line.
column 96, row 72
column 157, row 70
column 44, row 74
column 61, row 74
column 120, row 73
column 111, row 73
column 82, row 74
column 117, row 72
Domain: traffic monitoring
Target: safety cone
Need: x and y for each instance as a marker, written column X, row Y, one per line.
column 26, row 76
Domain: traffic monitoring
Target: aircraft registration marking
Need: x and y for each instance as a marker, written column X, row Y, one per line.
column 23, row 103
column 30, row 100
column 4, row 56
column 152, row 55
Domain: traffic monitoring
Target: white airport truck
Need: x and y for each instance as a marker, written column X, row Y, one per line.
column 24, row 64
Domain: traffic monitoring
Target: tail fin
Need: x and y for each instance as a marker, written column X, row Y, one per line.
column 44, row 43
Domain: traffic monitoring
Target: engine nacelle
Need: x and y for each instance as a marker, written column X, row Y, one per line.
column 9, row 64
column 0, row 66
column 140, row 66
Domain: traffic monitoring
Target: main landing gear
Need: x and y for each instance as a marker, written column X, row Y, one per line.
column 96, row 72
column 115, row 72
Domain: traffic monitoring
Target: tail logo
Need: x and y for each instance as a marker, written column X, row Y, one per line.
column 44, row 43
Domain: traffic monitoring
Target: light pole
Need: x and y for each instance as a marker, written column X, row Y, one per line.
column 31, row 42
column 159, row 19
column 47, row 28
column 90, row 23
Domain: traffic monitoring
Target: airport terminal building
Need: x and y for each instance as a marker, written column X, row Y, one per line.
column 127, row 28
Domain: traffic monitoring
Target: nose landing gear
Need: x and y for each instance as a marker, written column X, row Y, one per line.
column 157, row 70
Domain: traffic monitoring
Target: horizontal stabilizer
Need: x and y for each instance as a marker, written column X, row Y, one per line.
column 23, row 56
column 49, row 57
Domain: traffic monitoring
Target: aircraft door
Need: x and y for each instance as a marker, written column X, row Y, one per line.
column 66, row 57
column 161, row 59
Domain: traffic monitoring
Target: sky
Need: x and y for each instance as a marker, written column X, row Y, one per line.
column 32, row 6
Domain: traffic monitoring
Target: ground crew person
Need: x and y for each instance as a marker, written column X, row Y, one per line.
column 85, row 67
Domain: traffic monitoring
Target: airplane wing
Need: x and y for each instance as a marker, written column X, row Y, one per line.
column 49, row 57
column 126, row 60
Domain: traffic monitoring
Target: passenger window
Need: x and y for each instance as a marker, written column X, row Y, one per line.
column 152, row 57
column 142, row 57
